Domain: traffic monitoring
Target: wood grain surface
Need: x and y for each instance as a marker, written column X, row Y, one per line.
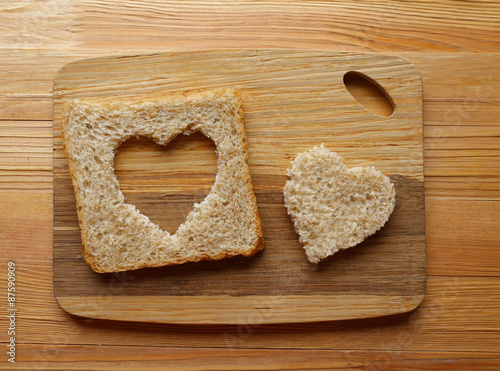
column 454, row 45
column 293, row 100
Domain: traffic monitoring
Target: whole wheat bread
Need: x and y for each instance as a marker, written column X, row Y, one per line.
column 333, row 207
column 115, row 235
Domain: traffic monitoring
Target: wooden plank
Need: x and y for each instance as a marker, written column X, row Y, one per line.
column 465, row 112
column 457, row 243
column 471, row 81
column 471, row 188
column 462, row 162
column 462, row 151
column 36, row 24
column 458, row 314
column 26, row 156
column 81, row 357
column 25, row 145
column 461, row 129
column 22, row 213
column 25, row 108
column 441, row 26
column 287, row 99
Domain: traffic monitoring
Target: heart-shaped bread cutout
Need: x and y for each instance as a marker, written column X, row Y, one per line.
column 333, row 207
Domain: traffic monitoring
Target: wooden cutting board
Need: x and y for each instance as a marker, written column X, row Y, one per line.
column 293, row 100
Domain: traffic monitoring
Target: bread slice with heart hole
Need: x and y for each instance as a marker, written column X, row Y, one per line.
column 115, row 235
column 333, row 207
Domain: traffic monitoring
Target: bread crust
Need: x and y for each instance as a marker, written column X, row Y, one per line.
column 219, row 115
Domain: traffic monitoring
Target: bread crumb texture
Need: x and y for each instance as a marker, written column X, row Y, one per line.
column 333, row 207
column 115, row 235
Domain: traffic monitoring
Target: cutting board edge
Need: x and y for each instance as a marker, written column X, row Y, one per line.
column 169, row 310
column 107, row 57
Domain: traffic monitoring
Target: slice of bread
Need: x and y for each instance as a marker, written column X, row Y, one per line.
column 115, row 235
column 333, row 207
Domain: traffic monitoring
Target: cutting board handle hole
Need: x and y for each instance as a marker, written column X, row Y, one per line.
column 370, row 94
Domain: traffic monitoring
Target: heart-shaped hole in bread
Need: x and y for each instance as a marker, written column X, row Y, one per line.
column 333, row 207
column 164, row 182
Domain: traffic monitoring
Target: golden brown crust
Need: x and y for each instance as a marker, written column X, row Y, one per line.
column 259, row 245
column 72, row 170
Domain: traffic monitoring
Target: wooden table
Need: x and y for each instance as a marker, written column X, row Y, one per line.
column 455, row 45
